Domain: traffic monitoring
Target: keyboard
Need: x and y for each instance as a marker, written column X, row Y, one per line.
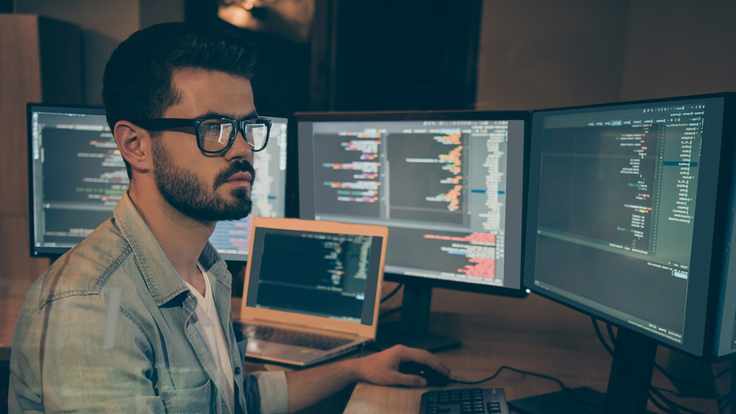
column 465, row 401
column 296, row 338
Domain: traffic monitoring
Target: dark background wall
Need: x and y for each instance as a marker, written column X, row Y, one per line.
column 104, row 25
column 679, row 47
column 537, row 54
column 530, row 53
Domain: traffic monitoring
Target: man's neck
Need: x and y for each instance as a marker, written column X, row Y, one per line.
column 181, row 237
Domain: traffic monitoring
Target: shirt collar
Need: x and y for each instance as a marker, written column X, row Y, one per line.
column 160, row 276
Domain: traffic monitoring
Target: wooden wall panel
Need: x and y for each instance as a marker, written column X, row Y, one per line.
column 536, row 54
column 40, row 60
column 20, row 82
column 678, row 47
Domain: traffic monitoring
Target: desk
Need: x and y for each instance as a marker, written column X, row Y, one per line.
column 532, row 334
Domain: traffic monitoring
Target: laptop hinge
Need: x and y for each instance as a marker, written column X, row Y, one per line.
column 297, row 327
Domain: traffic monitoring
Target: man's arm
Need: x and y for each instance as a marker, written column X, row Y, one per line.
column 312, row 385
column 81, row 354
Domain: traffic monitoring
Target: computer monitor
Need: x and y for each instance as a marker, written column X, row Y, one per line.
column 625, row 210
column 230, row 238
column 76, row 177
column 449, row 185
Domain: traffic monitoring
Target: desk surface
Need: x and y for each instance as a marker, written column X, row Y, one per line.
column 521, row 333
column 532, row 334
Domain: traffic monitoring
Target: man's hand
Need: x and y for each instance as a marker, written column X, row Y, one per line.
column 382, row 368
column 308, row 386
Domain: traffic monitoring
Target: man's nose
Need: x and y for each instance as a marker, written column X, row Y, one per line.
column 240, row 147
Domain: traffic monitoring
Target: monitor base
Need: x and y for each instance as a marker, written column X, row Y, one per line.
column 628, row 383
column 393, row 333
column 577, row 400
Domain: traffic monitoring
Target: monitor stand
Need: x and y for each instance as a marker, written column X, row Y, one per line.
column 628, row 383
column 413, row 327
column 237, row 271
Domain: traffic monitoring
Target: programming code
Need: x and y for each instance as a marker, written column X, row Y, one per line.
column 324, row 274
column 616, row 209
column 439, row 185
column 78, row 176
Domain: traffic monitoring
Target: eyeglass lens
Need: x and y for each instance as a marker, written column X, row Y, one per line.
column 216, row 135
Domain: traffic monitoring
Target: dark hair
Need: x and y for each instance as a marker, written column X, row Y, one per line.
column 137, row 81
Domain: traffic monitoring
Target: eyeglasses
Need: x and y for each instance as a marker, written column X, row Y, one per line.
column 216, row 134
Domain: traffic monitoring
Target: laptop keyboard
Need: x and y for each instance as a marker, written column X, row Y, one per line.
column 296, row 338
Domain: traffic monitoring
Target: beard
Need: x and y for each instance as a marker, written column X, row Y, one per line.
column 187, row 194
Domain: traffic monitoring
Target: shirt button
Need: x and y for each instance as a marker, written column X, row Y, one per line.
column 237, row 370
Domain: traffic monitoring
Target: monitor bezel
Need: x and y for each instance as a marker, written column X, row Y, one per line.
column 31, row 107
column 461, row 115
column 704, row 233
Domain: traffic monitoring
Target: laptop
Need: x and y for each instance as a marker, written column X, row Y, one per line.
column 311, row 290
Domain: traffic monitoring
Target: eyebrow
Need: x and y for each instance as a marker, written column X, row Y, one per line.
column 251, row 114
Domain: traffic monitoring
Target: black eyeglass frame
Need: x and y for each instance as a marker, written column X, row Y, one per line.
column 238, row 125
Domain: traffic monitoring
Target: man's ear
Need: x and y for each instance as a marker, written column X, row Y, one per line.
column 134, row 144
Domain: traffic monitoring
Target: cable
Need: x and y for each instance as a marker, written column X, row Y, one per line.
column 674, row 393
column 598, row 333
column 392, row 293
column 656, row 395
column 611, row 335
column 610, row 348
column 671, row 404
column 556, row 380
column 389, row 312
column 520, row 371
column 658, row 404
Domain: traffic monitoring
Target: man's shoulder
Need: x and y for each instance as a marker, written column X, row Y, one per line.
column 87, row 268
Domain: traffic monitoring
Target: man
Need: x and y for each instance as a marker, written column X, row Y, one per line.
column 136, row 318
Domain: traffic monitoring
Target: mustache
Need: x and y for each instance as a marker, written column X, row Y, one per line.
column 234, row 168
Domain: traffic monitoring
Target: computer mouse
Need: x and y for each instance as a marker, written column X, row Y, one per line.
column 434, row 378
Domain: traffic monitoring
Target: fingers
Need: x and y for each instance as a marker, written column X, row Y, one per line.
column 424, row 357
column 398, row 378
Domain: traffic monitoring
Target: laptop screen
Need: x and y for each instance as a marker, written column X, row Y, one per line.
column 332, row 275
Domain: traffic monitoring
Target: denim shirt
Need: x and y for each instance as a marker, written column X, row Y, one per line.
column 111, row 327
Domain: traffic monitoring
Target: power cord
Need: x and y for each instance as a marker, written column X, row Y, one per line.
column 389, row 312
column 520, row 371
column 393, row 293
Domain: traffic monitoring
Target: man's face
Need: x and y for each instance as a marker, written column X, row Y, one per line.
column 202, row 187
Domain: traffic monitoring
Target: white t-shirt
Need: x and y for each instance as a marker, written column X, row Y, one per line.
column 215, row 337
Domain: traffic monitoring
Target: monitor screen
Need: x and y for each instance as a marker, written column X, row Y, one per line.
column 621, row 208
column 448, row 185
column 77, row 177
column 328, row 274
column 230, row 238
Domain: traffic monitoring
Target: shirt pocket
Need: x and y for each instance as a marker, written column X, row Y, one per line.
column 188, row 400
